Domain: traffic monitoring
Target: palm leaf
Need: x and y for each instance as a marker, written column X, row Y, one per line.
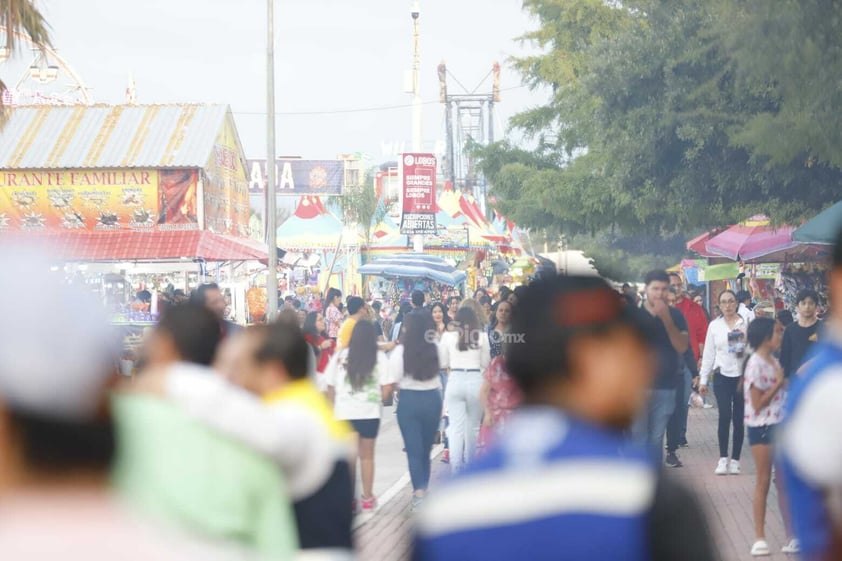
column 21, row 16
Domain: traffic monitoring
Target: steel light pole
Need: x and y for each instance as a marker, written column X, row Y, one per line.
column 417, row 104
column 271, row 202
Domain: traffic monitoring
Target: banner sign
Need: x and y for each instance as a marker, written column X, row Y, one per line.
column 98, row 199
column 299, row 177
column 418, row 180
column 226, row 208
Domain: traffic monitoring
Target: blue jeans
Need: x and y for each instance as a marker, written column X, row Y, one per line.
column 419, row 413
column 677, row 428
column 651, row 426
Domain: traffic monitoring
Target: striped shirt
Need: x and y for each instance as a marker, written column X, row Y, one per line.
column 553, row 487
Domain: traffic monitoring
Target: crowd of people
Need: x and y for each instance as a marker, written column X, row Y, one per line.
column 559, row 405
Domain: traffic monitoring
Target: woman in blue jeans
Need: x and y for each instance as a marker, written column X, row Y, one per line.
column 415, row 363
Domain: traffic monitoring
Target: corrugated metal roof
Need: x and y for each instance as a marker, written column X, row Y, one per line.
column 112, row 136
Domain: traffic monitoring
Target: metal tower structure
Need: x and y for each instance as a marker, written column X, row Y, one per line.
column 469, row 119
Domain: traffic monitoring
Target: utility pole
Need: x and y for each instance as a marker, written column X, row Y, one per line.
column 418, row 239
column 271, row 201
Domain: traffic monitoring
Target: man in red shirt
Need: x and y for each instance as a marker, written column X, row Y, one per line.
column 697, row 325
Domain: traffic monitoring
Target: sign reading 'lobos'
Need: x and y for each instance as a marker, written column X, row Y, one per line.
column 418, row 178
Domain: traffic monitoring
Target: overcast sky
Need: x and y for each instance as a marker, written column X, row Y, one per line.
column 331, row 55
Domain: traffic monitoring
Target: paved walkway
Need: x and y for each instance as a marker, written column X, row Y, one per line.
column 385, row 536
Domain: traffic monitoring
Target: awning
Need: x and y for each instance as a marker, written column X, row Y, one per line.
column 127, row 245
column 822, row 228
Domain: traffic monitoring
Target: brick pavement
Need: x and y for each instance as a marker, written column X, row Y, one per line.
column 727, row 500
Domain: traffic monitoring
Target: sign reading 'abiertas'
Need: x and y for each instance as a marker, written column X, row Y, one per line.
column 299, row 177
column 418, row 180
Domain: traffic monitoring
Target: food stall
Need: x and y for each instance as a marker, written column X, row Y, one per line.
column 124, row 197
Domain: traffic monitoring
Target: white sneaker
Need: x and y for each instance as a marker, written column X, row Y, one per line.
column 760, row 549
column 794, row 546
column 721, row 467
column 734, row 468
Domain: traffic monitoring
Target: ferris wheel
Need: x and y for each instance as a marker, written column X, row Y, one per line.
column 44, row 78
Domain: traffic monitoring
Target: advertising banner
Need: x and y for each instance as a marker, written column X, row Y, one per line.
column 418, row 181
column 299, row 177
column 226, row 208
column 177, row 199
column 97, row 199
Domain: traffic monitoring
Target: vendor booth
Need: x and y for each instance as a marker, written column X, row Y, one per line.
column 109, row 190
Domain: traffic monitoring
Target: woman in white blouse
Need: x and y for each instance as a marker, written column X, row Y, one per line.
column 725, row 347
column 465, row 352
column 416, row 367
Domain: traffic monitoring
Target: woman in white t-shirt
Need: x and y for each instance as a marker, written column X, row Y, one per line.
column 465, row 352
column 359, row 381
column 415, row 360
column 764, row 404
column 723, row 358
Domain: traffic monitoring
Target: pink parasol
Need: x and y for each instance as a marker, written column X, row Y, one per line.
column 751, row 240
column 697, row 244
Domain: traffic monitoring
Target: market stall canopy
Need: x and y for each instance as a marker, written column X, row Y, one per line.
column 752, row 239
column 133, row 245
column 697, row 244
column 312, row 226
column 414, row 266
column 822, row 228
column 123, row 167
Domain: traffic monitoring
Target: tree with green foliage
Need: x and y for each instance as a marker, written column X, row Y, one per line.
column 360, row 206
column 663, row 119
column 21, row 17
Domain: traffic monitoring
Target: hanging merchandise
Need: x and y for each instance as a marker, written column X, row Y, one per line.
column 796, row 277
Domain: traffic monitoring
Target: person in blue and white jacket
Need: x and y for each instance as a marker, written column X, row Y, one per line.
column 564, row 482
column 811, row 441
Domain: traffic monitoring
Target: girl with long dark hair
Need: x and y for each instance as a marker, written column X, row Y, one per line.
column 415, row 362
column 499, row 327
column 358, row 382
column 465, row 353
column 763, row 381
column 441, row 319
column 333, row 315
column 316, row 335
column 439, row 313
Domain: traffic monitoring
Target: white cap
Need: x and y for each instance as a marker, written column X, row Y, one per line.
column 57, row 348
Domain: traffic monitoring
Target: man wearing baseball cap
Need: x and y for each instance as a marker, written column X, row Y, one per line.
column 563, row 481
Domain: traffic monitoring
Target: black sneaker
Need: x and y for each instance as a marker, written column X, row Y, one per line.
column 673, row 461
column 683, row 443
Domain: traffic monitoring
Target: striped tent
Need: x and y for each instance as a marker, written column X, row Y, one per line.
column 413, row 266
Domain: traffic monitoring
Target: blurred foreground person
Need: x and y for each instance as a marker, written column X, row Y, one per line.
column 57, row 357
column 175, row 469
column 278, row 411
column 562, row 482
column 811, row 442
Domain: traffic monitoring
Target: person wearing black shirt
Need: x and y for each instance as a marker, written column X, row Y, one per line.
column 800, row 336
column 671, row 342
